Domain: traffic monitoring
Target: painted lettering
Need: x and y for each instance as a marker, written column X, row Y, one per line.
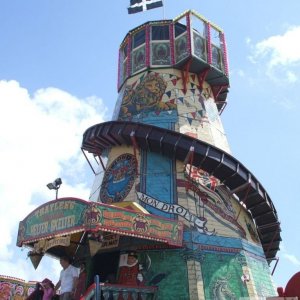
column 176, row 209
column 38, row 229
column 62, row 223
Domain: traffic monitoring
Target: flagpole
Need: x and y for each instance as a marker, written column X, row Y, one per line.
column 163, row 6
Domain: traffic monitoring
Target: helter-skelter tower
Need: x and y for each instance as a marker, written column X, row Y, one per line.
column 166, row 151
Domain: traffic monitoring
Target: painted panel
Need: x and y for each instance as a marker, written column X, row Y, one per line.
column 222, row 276
column 14, row 288
column 118, row 179
column 166, row 269
column 147, row 99
column 113, row 155
column 163, row 96
column 261, row 277
column 160, row 53
column 158, row 181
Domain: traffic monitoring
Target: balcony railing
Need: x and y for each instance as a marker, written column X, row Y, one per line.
column 108, row 291
column 171, row 43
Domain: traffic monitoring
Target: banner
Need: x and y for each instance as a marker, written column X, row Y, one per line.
column 177, row 210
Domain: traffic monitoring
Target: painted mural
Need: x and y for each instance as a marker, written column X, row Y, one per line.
column 221, row 254
column 145, row 96
column 216, row 228
column 161, row 98
column 118, row 179
column 222, row 276
column 260, row 275
column 14, row 288
column 167, row 270
column 157, row 181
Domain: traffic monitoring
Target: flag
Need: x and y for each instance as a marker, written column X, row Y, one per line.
column 142, row 5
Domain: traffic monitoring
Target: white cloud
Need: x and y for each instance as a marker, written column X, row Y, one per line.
column 279, row 54
column 284, row 253
column 40, row 139
column 291, row 77
column 284, row 102
column 292, row 258
column 281, row 49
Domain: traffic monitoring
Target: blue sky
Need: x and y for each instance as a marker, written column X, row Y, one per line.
column 58, row 76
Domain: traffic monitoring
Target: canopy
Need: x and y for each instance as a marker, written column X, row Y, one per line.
column 63, row 222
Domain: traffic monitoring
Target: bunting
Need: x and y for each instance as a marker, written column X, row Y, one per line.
column 169, row 93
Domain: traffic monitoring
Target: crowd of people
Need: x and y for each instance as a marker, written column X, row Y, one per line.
column 72, row 284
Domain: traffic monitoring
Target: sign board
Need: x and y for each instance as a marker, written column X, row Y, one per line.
column 69, row 215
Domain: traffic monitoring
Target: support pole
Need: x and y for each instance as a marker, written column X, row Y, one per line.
column 97, row 288
column 277, row 260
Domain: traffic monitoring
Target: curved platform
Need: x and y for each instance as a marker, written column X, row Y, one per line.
column 213, row 160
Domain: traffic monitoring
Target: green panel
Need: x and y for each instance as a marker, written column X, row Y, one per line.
column 168, row 271
column 261, row 277
column 222, row 277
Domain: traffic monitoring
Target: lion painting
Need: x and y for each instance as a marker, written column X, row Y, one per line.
column 146, row 97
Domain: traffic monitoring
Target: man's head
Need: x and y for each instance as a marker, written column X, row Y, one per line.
column 64, row 261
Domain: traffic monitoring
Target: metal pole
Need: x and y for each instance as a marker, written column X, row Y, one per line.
column 97, row 288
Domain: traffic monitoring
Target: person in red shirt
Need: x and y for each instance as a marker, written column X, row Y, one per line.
column 130, row 273
column 81, row 283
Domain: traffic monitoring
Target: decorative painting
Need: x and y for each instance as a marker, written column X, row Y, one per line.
column 217, row 58
column 138, row 59
column 14, row 288
column 222, row 276
column 198, row 222
column 161, row 53
column 181, row 50
column 157, row 181
column 211, row 203
column 199, row 46
column 144, row 96
column 260, row 276
column 118, row 179
column 167, row 270
column 53, row 218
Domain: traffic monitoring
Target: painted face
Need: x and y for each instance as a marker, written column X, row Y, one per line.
column 131, row 259
column 150, row 91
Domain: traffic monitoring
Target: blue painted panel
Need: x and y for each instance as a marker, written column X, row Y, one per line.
column 192, row 238
column 164, row 119
column 157, row 180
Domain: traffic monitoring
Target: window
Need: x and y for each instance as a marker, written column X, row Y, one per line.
column 160, row 33
column 139, row 38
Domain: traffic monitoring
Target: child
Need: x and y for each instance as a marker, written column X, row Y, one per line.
column 48, row 288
